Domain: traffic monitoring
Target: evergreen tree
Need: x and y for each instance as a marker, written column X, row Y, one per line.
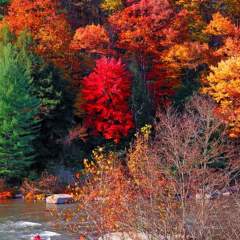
column 56, row 100
column 19, row 125
column 56, row 112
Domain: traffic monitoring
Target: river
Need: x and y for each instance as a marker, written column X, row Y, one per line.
column 21, row 220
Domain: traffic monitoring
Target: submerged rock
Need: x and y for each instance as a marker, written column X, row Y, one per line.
column 23, row 224
column 59, row 199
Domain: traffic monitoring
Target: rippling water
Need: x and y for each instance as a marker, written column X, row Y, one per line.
column 21, row 220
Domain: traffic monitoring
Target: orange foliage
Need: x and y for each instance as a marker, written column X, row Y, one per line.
column 222, row 84
column 49, row 27
column 92, row 39
column 230, row 48
column 5, row 195
column 39, row 189
column 229, row 34
column 107, row 192
column 113, row 192
column 158, row 35
column 146, row 27
column 220, row 26
column 187, row 55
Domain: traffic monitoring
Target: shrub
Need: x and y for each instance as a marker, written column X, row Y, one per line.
column 153, row 190
column 39, row 189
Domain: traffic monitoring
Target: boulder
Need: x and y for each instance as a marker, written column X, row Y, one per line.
column 59, row 199
column 18, row 196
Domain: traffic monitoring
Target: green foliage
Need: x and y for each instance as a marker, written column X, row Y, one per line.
column 19, row 124
column 4, row 2
column 56, row 99
column 55, row 103
column 56, row 115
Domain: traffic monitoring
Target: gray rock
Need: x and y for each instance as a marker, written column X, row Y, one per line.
column 59, row 199
column 226, row 194
column 18, row 196
column 131, row 236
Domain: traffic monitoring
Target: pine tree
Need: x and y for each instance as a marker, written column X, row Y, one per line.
column 18, row 111
column 55, row 95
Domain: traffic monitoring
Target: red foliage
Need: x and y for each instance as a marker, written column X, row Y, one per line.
column 148, row 29
column 5, row 192
column 106, row 91
column 37, row 237
column 5, row 195
column 161, row 83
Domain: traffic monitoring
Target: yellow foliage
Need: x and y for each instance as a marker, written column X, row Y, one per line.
column 189, row 4
column 146, row 130
column 111, row 5
column 223, row 85
column 114, row 192
column 188, row 54
column 102, row 162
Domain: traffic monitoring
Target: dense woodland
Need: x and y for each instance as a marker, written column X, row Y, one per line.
column 137, row 102
column 80, row 74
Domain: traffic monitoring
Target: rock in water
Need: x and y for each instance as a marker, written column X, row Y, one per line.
column 22, row 224
column 59, row 199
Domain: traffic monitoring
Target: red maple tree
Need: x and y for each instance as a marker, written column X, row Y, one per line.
column 105, row 92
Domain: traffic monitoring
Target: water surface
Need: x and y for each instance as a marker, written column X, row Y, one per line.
column 20, row 220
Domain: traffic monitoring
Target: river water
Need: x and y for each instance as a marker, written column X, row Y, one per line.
column 21, row 220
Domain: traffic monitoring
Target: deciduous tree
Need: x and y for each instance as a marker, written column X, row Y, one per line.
column 150, row 31
column 45, row 21
column 222, row 84
column 106, row 91
column 92, row 39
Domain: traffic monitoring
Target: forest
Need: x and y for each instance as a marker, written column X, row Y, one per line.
column 130, row 106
